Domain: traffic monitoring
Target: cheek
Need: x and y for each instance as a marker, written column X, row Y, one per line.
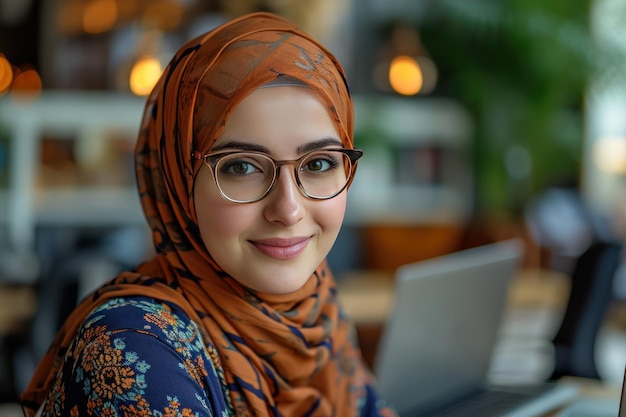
column 330, row 213
column 219, row 221
column 217, row 218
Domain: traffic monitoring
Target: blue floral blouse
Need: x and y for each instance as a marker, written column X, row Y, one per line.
column 155, row 364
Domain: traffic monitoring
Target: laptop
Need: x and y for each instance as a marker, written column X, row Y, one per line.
column 435, row 350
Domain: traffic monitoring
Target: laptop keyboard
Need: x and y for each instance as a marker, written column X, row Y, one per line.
column 486, row 404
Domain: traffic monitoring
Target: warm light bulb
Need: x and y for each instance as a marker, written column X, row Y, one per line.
column 405, row 75
column 144, row 75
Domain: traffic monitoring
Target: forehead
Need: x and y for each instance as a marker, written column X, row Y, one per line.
column 279, row 117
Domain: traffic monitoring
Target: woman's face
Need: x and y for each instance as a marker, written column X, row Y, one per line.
column 272, row 245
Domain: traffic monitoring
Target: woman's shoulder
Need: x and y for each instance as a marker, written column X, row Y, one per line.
column 136, row 305
column 145, row 315
column 133, row 354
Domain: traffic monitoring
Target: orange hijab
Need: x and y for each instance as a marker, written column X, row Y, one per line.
column 289, row 354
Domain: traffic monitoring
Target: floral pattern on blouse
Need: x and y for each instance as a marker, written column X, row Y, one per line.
column 138, row 357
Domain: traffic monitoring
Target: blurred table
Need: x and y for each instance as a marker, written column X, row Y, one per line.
column 589, row 389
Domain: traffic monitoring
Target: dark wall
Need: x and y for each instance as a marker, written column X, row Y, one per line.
column 19, row 41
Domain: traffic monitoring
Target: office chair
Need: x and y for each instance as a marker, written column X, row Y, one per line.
column 590, row 297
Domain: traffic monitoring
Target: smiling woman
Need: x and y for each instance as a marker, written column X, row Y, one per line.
column 243, row 162
column 274, row 245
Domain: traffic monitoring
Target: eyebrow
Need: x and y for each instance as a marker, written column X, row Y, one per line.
column 304, row 148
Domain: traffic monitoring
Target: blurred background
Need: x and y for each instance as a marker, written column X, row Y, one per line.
column 481, row 120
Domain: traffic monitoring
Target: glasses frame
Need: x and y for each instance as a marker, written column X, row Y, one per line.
column 212, row 159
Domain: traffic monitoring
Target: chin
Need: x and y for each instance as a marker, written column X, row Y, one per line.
column 284, row 281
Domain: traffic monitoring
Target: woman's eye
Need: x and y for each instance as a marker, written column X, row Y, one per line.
column 240, row 167
column 320, row 164
column 317, row 165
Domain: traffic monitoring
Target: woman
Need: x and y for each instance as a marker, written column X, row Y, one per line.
column 243, row 161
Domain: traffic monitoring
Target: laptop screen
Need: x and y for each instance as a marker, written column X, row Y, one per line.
column 437, row 344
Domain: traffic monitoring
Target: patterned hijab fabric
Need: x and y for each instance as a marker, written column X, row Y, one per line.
column 293, row 354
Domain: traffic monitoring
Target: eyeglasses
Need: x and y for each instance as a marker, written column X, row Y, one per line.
column 247, row 177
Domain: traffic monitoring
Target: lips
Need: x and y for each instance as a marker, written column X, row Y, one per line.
column 282, row 249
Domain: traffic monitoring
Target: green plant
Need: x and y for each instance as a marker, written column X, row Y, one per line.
column 521, row 67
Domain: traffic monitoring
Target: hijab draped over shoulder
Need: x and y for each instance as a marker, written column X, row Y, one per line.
column 293, row 354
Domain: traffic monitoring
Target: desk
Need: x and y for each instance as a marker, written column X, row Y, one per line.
column 589, row 389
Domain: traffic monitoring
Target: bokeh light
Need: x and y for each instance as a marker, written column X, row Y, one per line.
column 144, row 75
column 405, row 75
column 26, row 84
column 609, row 154
column 6, row 74
column 99, row 16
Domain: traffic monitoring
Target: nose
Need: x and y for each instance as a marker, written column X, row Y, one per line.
column 285, row 204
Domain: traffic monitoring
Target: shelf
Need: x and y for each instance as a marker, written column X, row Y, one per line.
column 74, row 111
column 410, row 205
column 416, row 168
column 93, row 206
column 88, row 118
column 410, row 121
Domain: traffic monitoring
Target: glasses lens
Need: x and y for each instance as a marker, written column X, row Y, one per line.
column 244, row 177
column 324, row 174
